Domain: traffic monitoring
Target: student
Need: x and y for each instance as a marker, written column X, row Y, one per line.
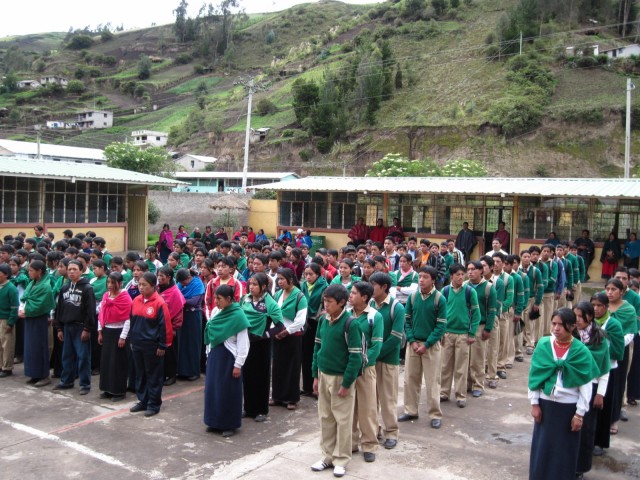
column 337, row 358
column 224, row 268
column 365, row 421
column 505, row 297
column 406, row 279
column 100, row 245
column 170, row 293
column 190, row 339
column 99, row 285
column 345, row 277
column 261, row 310
column 227, row 335
column 75, row 318
column 387, row 364
column 151, row 259
column 534, row 303
column 313, row 287
column 150, row 336
column 35, row 306
column 425, row 324
column 9, row 303
column 113, row 332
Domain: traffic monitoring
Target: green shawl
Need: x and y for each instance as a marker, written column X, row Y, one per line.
column 288, row 307
column 258, row 320
column 615, row 337
column 337, row 280
column 38, row 298
column 313, row 293
column 578, row 369
column 99, row 286
column 225, row 324
column 627, row 317
column 601, row 356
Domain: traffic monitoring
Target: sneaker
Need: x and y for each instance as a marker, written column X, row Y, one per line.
column 598, row 451
column 390, row 443
column 43, row 382
column 260, row 418
column 529, row 350
column 624, row 416
column 476, row 393
column 62, row 386
column 138, row 407
column 461, row 403
column 339, row 471
column 369, row 457
column 492, row 384
column 150, row 413
column 228, row 433
column 84, row 391
column 320, row 466
column 519, row 358
column 502, row 374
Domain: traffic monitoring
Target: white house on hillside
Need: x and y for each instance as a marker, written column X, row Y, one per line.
column 622, row 52
column 94, row 119
column 148, row 138
column 194, row 163
column 60, row 124
column 54, row 80
column 56, row 153
column 32, row 84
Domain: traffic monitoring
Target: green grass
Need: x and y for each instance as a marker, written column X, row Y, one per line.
column 278, row 119
column 190, row 86
column 583, row 88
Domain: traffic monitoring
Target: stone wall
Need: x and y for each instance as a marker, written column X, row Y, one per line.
column 194, row 210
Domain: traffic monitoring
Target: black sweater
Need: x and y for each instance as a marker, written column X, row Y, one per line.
column 76, row 305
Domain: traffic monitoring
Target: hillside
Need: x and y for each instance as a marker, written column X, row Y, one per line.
column 447, row 106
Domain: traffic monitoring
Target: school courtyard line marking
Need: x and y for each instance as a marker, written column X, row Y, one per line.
column 121, row 411
column 81, row 449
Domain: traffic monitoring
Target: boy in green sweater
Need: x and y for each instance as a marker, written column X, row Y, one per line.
column 337, row 359
column 549, row 295
column 463, row 318
column 425, row 323
column 497, row 344
column 387, row 365
column 8, row 315
column 365, row 425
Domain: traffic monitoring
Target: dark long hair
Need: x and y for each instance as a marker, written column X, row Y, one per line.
column 597, row 334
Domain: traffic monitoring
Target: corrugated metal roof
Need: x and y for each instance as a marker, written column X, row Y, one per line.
column 255, row 175
column 202, row 158
column 35, row 168
column 564, row 187
column 48, row 150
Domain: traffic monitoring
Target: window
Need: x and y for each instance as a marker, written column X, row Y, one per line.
column 20, row 200
column 451, row 211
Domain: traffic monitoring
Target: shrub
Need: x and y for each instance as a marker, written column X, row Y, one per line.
column 198, row 69
column 586, row 62
column 541, row 171
column 265, row 195
column 305, row 155
column 585, row 116
column 288, row 133
column 271, row 37
column 183, row 59
column 78, row 42
column 324, row 145
column 75, row 86
column 109, row 60
column 266, row 107
column 94, row 72
column 516, row 115
column 154, row 213
column 105, row 36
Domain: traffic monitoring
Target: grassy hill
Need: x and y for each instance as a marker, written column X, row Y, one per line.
column 445, row 108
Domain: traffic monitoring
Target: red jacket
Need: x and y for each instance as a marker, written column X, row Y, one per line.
column 150, row 322
column 210, row 290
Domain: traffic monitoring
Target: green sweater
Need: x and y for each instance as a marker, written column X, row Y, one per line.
column 372, row 325
column 552, row 278
column 488, row 305
column 544, row 271
column 459, row 319
column 423, row 322
column 634, row 299
column 99, row 286
column 509, row 292
column 332, row 355
column 575, row 268
column 582, row 269
column 38, row 298
column 518, row 289
column 392, row 330
column 9, row 303
column 536, row 287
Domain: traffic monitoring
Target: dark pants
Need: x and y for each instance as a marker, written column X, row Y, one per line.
column 76, row 357
column 308, row 344
column 149, row 376
column 171, row 357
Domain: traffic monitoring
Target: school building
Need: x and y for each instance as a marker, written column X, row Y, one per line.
column 436, row 207
column 60, row 195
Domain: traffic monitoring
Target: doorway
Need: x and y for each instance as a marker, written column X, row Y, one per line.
column 492, row 218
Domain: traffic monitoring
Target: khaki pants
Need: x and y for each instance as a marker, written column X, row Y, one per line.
column 544, row 322
column 387, row 390
column 416, row 367
column 506, row 337
column 455, row 365
column 529, row 325
column 7, row 346
column 336, row 419
column 493, row 349
column 578, row 293
column 477, row 358
column 365, row 413
column 562, row 301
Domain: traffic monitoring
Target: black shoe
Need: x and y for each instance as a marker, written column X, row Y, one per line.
column 5, row 373
column 138, row 407
column 117, row 398
column 169, row 381
column 84, row 391
column 95, row 371
column 193, row 378
column 62, row 386
column 260, row 418
column 436, row 423
column 105, row 395
column 502, row 374
column 150, row 413
column 228, row 433
column 405, row 417
column 369, row 457
column 32, row 381
column 390, row 443
column 598, row 451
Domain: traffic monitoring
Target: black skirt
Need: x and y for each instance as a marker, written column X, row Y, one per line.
column 620, row 385
column 603, row 422
column 114, row 364
column 256, row 376
column 587, row 435
column 308, row 344
column 633, row 379
column 222, row 392
column 36, row 347
column 287, row 358
column 551, row 437
column 190, row 344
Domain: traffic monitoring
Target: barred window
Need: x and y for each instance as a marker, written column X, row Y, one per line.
column 20, row 200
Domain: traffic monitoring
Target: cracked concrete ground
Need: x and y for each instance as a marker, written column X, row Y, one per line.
column 46, row 434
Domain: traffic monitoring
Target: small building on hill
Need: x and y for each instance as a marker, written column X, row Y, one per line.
column 149, row 138
column 28, row 84
column 54, row 80
column 195, row 163
column 622, row 52
column 56, row 153
column 212, row 182
column 94, row 119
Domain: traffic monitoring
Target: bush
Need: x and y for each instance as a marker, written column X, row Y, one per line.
column 75, row 86
column 154, row 213
column 584, row 116
column 79, row 42
column 541, row 171
column 265, row 195
column 288, row 133
column 94, row 72
column 516, row 115
column 586, row 62
column 109, row 60
column 198, row 69
column 324, row 145
column 79, row 73
column 183, row 59
column 305, row 155
column 105, row 36
column 271, row 37
column 266, row 107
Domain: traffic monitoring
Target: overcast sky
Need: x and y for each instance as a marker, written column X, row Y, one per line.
column 35, row 16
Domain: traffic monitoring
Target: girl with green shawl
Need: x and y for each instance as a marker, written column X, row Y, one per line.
column 313, row 287
column 593, row 337
column 562, row 370
column 625, row 313
column 261, row 311
column 227, row 337
column 287, row 346
column 35, row 306
column 345, row 276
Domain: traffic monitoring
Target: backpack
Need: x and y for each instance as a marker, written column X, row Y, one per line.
column 467, row 296
column 436, row 302
column 363, row 353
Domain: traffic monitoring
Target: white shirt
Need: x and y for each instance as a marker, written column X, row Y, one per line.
column 297, row 325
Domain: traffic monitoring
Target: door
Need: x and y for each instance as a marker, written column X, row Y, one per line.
column 492, row 219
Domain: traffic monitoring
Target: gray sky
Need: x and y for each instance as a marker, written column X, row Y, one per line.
column 35, row 16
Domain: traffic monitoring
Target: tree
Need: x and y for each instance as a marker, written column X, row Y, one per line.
column 9, row 83
column 396, row 165
column 463, row 168
column 75, row 86
column 152, row 160
column 266, row 107
column 144, row 67
column 410, row 8
column 179, row 27
column 306, row 95
column 440, row 6
column 80, row 42
column 398, row 76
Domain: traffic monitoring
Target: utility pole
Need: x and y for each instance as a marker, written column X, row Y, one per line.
column 627, row 137
column 252, row 88
column 520, row 42
column 37, row 128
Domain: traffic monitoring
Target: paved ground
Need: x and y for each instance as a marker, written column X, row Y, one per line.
column 45, row 434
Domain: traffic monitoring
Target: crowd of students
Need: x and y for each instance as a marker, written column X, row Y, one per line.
column 266, row 323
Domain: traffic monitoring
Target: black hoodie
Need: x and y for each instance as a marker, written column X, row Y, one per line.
column 76, row 305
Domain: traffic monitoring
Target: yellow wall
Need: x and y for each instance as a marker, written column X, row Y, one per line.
column 263, row 214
